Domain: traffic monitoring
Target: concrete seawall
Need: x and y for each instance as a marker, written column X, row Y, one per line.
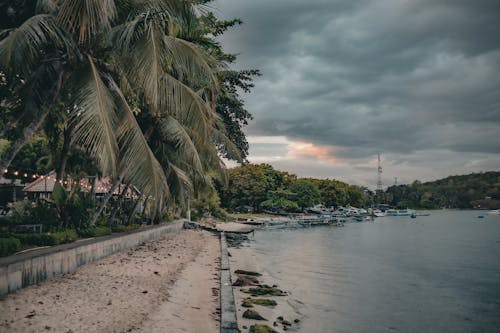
column 29, row 268
column 228, row 323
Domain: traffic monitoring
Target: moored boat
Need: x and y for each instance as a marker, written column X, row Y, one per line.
column 400, row 212
column 494, row 212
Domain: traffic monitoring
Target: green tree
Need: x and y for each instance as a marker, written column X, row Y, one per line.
column 126, row 85
column 306, row 193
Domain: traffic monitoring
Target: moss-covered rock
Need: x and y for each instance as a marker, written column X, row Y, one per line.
column 246, row 281
column 247, row 303
column 252, row 314
column 264, row 302
column 261, row 329
column 243, row 272
column 265, row 290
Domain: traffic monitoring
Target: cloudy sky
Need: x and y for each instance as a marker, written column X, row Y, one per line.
column 417, row 81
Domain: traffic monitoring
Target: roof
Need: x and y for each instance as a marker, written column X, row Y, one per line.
column 46, row 183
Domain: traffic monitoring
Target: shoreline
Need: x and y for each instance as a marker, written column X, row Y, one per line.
column 276, row 303
column 175, row 279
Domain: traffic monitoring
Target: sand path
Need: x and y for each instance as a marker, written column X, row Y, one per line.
column 166, row 283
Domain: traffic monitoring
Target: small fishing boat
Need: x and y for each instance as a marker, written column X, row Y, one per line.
column 399, row 212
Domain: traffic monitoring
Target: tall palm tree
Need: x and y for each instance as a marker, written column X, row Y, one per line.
column 101, row 56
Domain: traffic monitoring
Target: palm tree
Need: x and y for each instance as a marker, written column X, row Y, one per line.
column 105, row 58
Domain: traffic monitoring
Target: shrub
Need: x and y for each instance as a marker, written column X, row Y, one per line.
column 48, row 239
column 9, row 246
column 124, row 228
column 94, row 232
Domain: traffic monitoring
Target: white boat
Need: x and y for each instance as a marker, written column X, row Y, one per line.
column 319, row 209
column 494, row 212
column 400, row 212
column 376, row 212
column 349, row 211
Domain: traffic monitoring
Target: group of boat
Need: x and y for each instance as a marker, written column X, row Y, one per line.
column 321, row 215
column 351, row 211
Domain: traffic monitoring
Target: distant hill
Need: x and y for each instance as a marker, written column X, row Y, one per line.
column 476, row 190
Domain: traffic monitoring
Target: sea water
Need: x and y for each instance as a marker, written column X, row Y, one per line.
column 437, row 273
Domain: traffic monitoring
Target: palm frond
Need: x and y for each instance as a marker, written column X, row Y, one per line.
column 173, row 131
column 95, row 119
column 86, row 18
column 138, row 164
column 189, row 108
column 21, row 51
column 152, row 57
column 190, row 63
column 224, row 143
column 46, row 6
column 26, row 102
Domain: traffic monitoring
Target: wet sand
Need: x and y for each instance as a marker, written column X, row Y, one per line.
column 167, row 285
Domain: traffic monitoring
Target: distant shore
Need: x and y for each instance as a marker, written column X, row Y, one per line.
column 166, row 285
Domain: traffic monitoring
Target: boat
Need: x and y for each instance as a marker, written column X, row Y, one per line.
column 494, row 212
column 399, row 212
column 318, row 209
column 376, row 212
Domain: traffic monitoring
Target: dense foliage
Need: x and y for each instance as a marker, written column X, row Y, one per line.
column 259, row 187
column 477, row 190
column 137, row 91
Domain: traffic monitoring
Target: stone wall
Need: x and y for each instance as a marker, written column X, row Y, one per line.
column 19, row 271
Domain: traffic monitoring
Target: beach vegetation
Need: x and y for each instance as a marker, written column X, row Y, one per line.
column 9, row 245
column 138, row 92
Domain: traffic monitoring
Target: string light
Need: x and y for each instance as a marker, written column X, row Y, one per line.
column 16, row 173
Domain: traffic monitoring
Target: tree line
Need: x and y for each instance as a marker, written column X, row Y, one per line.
column 476, row 190
column 259, row 187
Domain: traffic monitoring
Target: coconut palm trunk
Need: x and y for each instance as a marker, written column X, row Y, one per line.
column 34, row 126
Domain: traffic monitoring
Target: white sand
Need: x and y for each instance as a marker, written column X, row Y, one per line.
column 170, row 285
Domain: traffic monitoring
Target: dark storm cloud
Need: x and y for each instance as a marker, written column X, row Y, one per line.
column 389, row 75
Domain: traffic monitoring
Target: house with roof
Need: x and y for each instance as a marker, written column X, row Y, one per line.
column 43, row 186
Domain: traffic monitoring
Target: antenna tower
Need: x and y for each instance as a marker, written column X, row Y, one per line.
column 379, row 178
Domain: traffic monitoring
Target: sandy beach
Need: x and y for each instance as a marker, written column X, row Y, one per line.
column 167, row 285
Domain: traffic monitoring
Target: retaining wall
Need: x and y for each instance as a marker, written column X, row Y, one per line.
column 228, row 323
column 19, row 271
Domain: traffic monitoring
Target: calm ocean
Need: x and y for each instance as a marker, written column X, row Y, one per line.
column 439, row 273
